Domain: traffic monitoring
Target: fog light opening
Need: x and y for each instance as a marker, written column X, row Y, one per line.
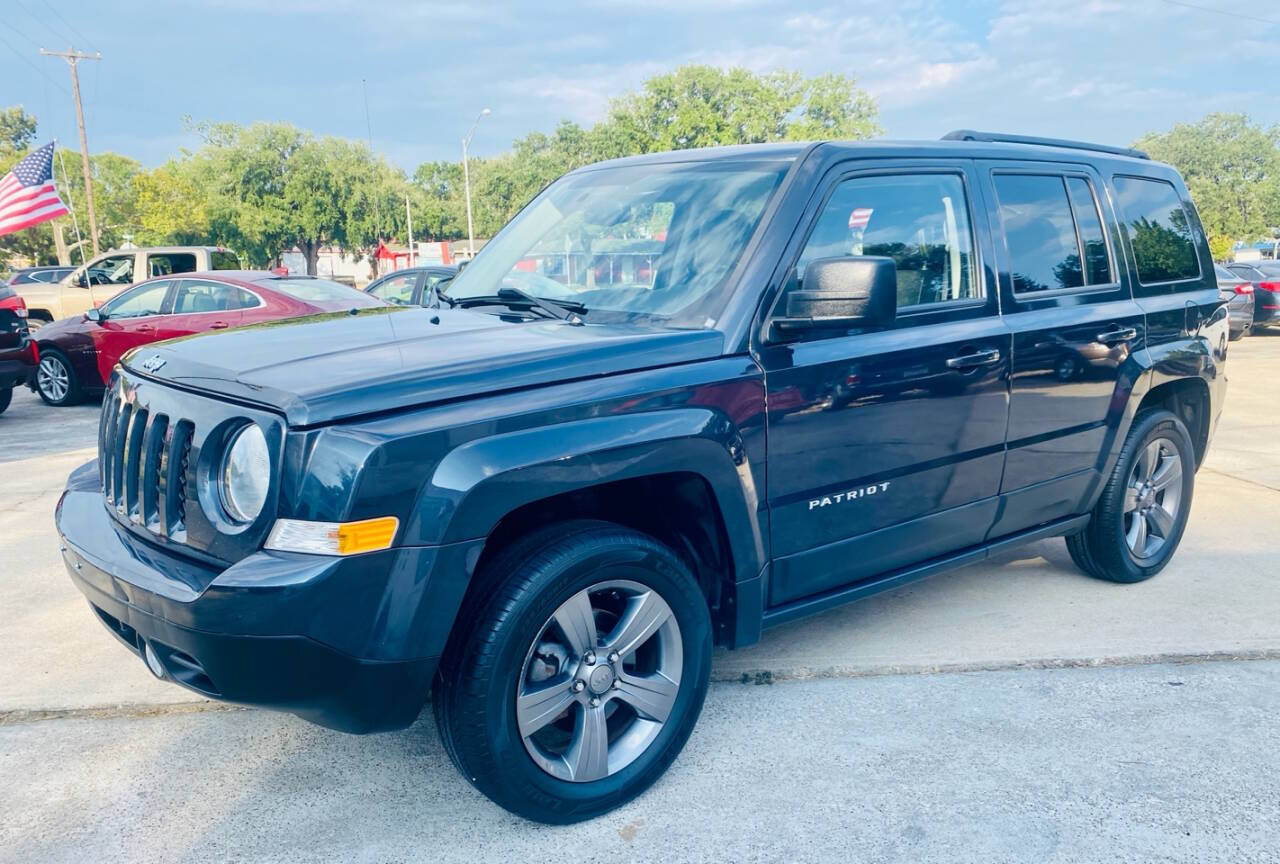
column 153, row 662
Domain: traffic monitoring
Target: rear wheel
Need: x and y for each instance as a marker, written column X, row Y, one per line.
column 582, row 676
column 6, row 396
column 1141, row 514
column 56, row 380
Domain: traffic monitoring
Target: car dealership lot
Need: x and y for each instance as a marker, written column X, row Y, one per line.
column 1131, row 762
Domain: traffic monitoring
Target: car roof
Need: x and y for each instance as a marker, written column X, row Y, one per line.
column 985, row 146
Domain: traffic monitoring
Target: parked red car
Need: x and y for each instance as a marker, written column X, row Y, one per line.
column 17, row 351
column 77, row 354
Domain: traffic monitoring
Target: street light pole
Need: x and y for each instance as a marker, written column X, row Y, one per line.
column 466, row 182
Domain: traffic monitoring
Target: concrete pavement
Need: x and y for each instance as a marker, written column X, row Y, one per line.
column 1128, row 764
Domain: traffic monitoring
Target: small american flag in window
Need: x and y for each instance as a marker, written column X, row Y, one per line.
column 27, row 194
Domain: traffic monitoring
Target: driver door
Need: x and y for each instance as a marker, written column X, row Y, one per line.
column 129, row 320
column 886, row 446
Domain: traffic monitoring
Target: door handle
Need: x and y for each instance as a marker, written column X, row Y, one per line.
column 989, row 357
column 218, row 325
column 1120, row 334
column 146, row 328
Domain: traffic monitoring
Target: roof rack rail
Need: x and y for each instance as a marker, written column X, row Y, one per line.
column 973, row 135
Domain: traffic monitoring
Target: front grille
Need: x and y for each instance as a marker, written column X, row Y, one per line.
column 144, row 461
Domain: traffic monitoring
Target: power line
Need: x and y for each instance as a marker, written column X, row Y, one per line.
column 68, row 25
column 43, row 23
column 33, row 66
column 1226, row 12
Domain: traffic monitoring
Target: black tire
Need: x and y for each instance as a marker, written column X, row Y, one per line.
column 6, row 396
column 1101, row 550
column 1237, row 335
column 474, row 699
column 74, row 392
column 1067, row 367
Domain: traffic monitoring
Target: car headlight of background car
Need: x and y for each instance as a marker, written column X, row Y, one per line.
column 244, row 478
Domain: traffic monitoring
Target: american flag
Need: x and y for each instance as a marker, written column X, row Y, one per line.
column 27, row 194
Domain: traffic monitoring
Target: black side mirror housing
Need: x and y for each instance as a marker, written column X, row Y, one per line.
column 840, row 293
column 94, row 316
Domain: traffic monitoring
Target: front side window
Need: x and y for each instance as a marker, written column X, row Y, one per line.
column 116, row 270
column 921, row 221
column 196, row 295
column 146, row 299
column 396, row 289
column 1159, row 230
column 655, row 240
column 1053, row 232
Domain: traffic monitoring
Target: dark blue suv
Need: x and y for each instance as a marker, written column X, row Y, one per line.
column 678, row 399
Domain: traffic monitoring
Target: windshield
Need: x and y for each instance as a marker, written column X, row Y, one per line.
column 654, row 240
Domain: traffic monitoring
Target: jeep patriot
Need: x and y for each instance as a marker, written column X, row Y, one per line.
column 680, row 398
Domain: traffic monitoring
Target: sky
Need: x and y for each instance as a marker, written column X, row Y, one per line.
column 1102, row 70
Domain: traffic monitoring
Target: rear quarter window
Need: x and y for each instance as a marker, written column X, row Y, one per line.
column 1159, row 229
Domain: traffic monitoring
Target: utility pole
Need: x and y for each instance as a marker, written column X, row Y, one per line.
column 73, row 57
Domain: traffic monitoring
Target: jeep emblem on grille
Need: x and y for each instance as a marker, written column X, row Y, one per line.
column 153, row 363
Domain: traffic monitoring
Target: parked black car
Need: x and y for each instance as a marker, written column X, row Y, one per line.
column 680, row 398
column 1265, row 276
column 27, row 275
column 1238, row 294
column 412, row 286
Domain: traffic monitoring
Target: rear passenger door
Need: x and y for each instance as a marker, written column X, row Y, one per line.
column 885, row 446
column 1075, row 327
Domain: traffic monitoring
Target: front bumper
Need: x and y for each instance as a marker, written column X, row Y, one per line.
column 347, row 643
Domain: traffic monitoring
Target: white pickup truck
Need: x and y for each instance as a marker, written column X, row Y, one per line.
column 97, row 281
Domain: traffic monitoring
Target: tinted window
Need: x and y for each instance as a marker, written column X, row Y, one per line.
column 1084, row 206
column 396, row 289
column 146, row 299
column 920, row 221
column 195, row 296
column 116, row 270
column 170, row 263
column 1039, row 231
column 223, row 261
column 1159, row 230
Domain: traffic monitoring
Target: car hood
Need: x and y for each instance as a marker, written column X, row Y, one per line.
column 327, row 367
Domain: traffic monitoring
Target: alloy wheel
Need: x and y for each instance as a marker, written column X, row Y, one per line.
column 1153, row 498
column 599, row 681
column 53, row 379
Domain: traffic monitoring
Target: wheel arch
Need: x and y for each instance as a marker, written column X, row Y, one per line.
column 679, row 475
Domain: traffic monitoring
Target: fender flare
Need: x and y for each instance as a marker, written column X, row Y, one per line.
column 478, row 483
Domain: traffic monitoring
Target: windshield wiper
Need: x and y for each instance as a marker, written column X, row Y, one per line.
column 562, row 310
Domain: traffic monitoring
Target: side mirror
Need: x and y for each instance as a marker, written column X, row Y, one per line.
column 94, row 316
column 83, row 279
column 840, row 293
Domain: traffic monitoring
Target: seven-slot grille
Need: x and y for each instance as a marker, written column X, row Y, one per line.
column 143, row 459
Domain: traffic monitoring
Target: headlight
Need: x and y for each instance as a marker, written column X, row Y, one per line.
column 246, row 474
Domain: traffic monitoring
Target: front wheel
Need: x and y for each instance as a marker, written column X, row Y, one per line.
column 582, row 675
column 56, row 380
column 1140, row 516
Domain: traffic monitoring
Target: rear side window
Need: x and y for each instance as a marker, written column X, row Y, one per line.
column 1159, row 230
column 171, row 263
column 222, row 260
column 319, row 290
column 1053, row 232
column 196, row 295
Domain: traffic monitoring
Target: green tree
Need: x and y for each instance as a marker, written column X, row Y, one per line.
column 17, row 131
column 1232, row 169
